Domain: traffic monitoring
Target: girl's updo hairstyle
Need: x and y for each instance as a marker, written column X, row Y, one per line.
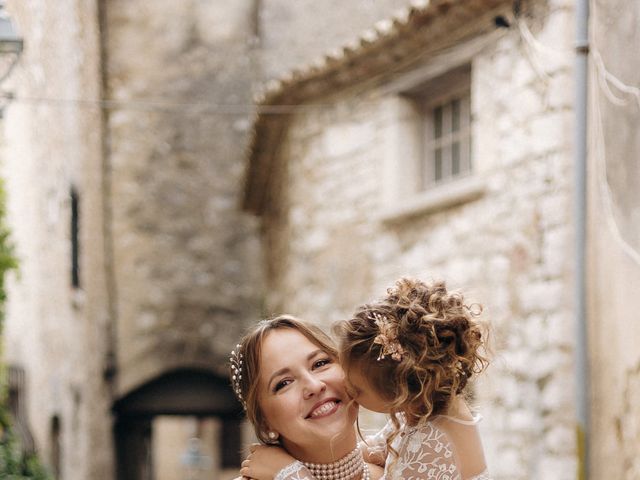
column 245, row 380
column 442, row 347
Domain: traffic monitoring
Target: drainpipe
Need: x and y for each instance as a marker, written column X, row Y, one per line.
column 580, row 214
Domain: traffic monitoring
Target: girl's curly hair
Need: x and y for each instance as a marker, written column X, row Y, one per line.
column 443, row 347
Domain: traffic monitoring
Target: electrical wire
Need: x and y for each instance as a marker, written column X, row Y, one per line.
column 202, row 108
column 233, row 109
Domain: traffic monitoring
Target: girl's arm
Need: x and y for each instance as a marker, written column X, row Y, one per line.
column 273, row 463
column 374, row 448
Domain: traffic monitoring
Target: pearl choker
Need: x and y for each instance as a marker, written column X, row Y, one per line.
column 349, row 467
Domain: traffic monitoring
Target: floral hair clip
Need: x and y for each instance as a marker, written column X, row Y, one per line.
column 387, row 338
column 236, row 360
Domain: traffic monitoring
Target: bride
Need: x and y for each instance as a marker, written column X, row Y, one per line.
column 286, row 374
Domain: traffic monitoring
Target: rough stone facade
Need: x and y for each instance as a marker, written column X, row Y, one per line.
column 170, row 269
column 329, row 247
column 54, row 332
column 182, row 254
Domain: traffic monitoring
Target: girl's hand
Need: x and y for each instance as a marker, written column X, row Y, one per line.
column 265, row 461
column 373, row 454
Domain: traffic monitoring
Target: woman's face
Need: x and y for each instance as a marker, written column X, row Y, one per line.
column 301, row 392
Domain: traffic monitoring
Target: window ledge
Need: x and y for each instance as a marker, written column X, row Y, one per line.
column 438, row 198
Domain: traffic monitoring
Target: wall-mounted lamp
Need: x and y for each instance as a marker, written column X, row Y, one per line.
column 11, row 45
column 10, row 42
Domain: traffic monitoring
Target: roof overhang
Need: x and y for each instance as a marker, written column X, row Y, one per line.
column 393, row 45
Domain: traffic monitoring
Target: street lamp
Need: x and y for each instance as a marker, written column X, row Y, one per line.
column 10, row 49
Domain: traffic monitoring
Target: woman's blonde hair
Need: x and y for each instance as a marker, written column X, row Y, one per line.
column 247, row 378
column 442, row 347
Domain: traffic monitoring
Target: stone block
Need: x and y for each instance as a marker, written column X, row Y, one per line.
column 343, row 139
column 560, row 439
column 544, row 296
column 555, row 251
column 558, row 467
column 550, row 132
column 557, row 393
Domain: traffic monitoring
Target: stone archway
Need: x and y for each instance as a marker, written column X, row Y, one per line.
column 185, row 393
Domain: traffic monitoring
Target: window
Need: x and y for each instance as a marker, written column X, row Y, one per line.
column 56, row 445
column 429, row 162
column 75, row 239
column 444, row 106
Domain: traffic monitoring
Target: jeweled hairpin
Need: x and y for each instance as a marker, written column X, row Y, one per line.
column 387, row 338
column 236, row 361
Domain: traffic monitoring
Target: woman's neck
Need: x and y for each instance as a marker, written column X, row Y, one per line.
column 324, row 450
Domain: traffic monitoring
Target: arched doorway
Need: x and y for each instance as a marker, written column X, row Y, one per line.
column 203, row 402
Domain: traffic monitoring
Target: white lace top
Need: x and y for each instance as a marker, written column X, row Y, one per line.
column 425, row 452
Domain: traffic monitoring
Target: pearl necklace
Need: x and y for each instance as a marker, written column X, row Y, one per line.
column 348, row 467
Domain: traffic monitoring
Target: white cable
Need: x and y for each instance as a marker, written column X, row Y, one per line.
column 605, row 78
column 531, row 52
column 606, row 195
column 537, row 44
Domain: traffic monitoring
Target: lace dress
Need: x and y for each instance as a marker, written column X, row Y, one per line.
column 425, row 453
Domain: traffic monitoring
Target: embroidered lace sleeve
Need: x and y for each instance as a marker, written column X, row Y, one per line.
column 294, row 471
column 424, row 453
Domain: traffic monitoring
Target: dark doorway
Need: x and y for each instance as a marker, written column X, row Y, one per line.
column 193, row 395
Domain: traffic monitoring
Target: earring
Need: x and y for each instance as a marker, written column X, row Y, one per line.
column 273, row 436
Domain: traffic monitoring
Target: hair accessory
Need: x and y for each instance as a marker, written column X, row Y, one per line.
column 236, row 361
column 387, row 338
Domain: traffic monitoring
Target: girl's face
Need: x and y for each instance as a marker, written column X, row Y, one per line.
column 301, row 392
column 361, row 391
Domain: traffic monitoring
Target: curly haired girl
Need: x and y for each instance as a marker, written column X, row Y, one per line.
column 411, row 355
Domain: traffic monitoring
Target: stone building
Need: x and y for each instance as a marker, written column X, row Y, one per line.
column 123, row 155
column 439, row 145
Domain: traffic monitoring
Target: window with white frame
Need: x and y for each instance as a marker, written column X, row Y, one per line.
column 444, row 105
column 429, row 164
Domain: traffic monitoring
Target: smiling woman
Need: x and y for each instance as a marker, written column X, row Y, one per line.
column 286, row 375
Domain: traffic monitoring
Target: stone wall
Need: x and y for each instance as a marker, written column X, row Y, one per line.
column 331, row 249
column 185, row 260
column 53, row 143
column 176, row 162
